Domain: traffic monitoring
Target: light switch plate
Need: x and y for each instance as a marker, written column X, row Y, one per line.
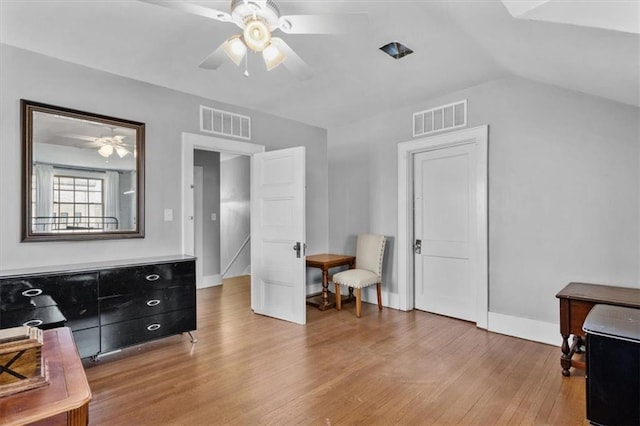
column 168, row 215
column 214, row 217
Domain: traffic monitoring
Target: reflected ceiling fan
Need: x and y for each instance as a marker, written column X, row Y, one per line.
column 258, row 19
column 106, row 144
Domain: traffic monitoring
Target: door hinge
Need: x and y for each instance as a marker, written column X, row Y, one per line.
column 417, row 247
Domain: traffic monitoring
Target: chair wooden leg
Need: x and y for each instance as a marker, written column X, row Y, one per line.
column 338, row 297
column 379, row 296
column 358, row 302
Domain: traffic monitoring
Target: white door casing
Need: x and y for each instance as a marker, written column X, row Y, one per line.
column 278, row 278
column 479, row 275
column 198, row 216
column 444, row 198
column 191, row 142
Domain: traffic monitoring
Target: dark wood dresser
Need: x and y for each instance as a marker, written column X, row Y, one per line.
column 107, row 305
column 576, row 301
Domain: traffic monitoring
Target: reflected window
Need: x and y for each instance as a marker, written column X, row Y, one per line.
column 78, row 203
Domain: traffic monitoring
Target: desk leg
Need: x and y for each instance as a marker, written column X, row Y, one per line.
column 565, row 358
column 79, row 416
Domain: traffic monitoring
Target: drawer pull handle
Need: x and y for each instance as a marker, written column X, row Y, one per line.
column 33, row 323
column 153, row 327
column 153, row 277
column 32, row 292
column 153, row 302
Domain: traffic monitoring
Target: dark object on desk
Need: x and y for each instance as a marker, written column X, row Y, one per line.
column 576, row 300
column 613, row 365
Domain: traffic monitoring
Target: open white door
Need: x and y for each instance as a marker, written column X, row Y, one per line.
column 278, row 278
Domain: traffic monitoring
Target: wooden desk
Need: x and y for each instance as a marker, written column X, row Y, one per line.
column 326, row 261
column 65, row 400
column 576, row 300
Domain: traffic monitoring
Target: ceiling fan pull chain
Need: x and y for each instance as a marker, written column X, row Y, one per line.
column 246, row 64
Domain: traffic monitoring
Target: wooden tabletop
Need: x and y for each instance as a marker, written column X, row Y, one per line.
column 326, row 260
column 620, row 296
column 68, row 389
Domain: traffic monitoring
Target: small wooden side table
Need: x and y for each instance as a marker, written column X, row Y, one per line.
column 576, row 301
column 326, row 261
column 65, row 400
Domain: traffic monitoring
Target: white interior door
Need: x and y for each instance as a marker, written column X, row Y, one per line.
column 278, row 287
column 444, row 222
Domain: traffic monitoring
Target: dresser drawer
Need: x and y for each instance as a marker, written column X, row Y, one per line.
column 44, row 318
column 145, row 278
column 127, row 333
column 66, row 289
column 81, row 315
column 125, row 307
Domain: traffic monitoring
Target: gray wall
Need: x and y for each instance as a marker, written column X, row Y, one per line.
column 235, row 218
column 167, row 114
column 563, row 190
column 210, row 163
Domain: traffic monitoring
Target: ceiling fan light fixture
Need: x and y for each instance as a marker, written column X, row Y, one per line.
column 257, row 35
column 235, row 49
column 122, row 151
column 105, row 150
column 272, row 57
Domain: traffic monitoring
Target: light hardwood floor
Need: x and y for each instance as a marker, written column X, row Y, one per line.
column 388, row 367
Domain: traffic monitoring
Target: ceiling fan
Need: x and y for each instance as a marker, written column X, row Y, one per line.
column 106, row 144
column 258, row 19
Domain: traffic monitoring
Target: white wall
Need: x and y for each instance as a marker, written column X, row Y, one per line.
column 563, row 190
column 167, row 114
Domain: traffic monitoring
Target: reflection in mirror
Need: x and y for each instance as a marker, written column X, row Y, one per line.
column 83, row 175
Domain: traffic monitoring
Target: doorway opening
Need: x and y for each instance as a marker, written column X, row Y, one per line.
column 200, row 212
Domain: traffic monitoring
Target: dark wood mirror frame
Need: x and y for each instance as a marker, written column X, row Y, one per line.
column 136, row 149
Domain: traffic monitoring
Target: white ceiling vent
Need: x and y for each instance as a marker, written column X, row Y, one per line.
column 224, row 123
column 445, row 117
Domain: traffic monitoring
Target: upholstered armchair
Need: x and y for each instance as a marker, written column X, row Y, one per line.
column 368, row 270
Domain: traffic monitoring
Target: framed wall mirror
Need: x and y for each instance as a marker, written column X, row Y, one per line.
column 83, row 175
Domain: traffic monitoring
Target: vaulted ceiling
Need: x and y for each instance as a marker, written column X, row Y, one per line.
column 457, row 44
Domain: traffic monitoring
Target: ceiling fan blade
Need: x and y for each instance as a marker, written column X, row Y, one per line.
column 76, row 136
column 193, row 9
column 215, row 59
column 293, row 62
column 316, row 24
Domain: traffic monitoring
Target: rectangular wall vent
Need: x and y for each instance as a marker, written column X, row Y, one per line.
column 445, row 117
column 224, row 123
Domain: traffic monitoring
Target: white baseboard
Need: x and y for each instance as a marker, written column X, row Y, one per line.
column 210, row 281
column 524, row 328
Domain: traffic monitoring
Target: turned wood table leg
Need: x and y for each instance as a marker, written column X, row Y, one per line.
column 325, row 289
column 565, row 358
